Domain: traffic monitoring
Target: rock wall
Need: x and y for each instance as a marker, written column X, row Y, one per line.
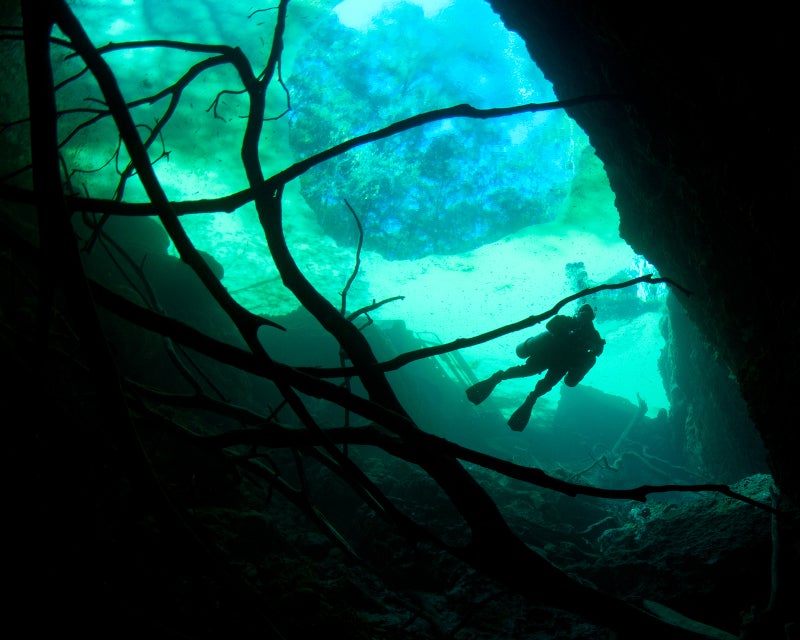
column 715, row 431
column 700, row 152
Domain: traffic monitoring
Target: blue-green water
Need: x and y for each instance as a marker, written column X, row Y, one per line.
column 469, row 224
column 477, row 223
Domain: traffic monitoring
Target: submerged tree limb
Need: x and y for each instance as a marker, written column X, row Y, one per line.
column 373, row 436
column 246, row 322
column 357, row 264
column 234, row 201
column 462, row 343
column 493, row 548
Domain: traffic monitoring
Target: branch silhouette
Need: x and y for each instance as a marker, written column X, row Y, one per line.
column 492, row 548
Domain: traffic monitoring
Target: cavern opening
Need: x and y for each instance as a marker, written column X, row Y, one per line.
column 476, row 223
column 283, row 292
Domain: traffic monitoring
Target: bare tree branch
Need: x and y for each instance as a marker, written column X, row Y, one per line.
column 492, row 548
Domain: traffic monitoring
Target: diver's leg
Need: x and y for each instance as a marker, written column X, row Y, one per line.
column 581, row 368
column 519, row 419
column 530, row 368
column 550, row 380
column 479, row 391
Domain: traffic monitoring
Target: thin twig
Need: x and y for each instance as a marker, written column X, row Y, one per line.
column 358, row 258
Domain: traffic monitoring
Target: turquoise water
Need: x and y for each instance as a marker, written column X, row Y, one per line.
column 474, row 222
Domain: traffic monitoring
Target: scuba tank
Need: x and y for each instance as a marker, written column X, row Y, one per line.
column 534, row 344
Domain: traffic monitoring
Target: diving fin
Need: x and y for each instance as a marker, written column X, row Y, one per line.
column 479, row 391
column 519, row 419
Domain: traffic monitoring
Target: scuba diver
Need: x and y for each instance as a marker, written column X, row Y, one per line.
column 568, row 349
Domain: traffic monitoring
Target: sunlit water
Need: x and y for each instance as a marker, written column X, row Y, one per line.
column 445, row 296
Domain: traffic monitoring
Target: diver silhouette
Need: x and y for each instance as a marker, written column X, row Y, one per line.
column 567, row 349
